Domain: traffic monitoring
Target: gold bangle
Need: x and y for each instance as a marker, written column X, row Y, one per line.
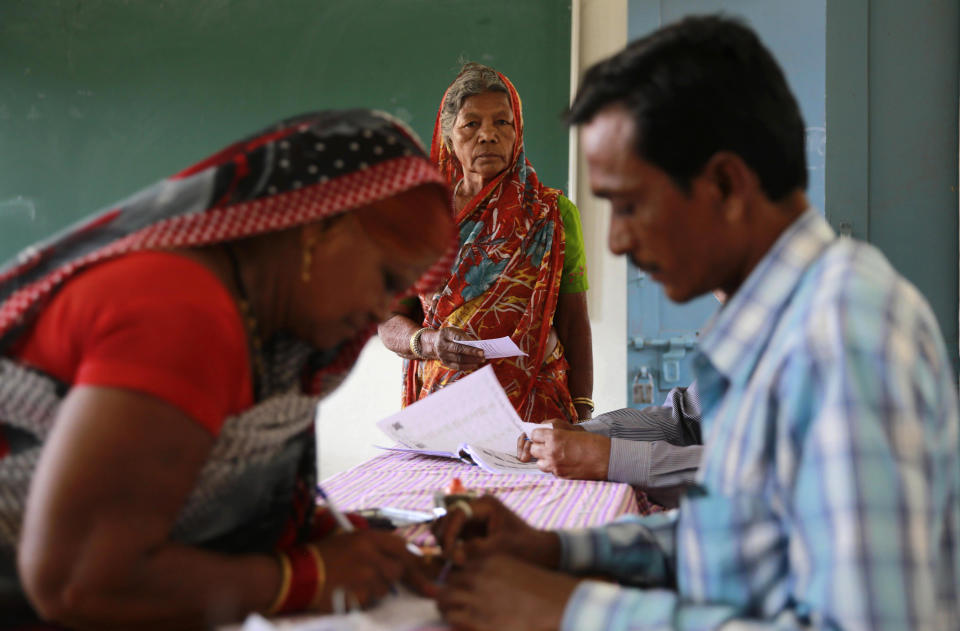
column 286, row 579
column 584, row 401
column 415, row 347
column 321, row 575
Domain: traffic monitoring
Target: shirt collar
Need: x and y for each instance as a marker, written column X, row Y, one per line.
column 737, row 334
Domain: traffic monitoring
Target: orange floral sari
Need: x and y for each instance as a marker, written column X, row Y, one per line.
column 505, row 281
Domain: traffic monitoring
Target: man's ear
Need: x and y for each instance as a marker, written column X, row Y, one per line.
column 733, row 181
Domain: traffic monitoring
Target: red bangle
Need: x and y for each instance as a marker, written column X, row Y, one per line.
column 321, row 576
column 307, row 579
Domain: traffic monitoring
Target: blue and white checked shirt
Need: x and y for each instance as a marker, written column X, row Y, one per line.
column 828, row 491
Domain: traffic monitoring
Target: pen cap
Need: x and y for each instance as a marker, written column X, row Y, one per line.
column 442, row 501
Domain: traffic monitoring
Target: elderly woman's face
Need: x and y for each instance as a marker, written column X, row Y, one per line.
column 362, row 262
column 483, row 135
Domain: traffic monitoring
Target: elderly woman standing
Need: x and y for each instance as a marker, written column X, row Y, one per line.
column 519, row 272
column 160, row 366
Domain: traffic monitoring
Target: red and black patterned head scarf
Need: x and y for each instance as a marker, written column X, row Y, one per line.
column 301, row 170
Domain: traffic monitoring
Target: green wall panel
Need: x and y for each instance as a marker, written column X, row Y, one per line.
column 99, row 98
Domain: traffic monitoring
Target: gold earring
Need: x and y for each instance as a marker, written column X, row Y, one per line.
column 306, row 262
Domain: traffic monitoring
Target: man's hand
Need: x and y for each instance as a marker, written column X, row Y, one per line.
column 503, row 594
column 485, row 527
column 572, row 454
column 524, row 443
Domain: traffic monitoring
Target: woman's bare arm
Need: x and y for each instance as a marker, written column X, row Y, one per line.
column 573, row 329
column 94, row 551
column 396, row 332
column 110, row 483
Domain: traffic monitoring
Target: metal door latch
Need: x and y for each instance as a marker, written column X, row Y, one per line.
column 643, row 387
column 672, row 352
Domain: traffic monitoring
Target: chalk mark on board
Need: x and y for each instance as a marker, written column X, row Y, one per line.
column 19, row 205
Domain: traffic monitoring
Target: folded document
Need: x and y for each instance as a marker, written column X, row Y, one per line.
column 471, row 419
column 495, row 348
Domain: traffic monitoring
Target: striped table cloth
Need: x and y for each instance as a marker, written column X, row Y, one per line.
column 408, row 481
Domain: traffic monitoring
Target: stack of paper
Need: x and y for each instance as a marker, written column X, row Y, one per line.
column 471, row 417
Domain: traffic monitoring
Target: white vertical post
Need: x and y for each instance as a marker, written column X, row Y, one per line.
column 598, row 30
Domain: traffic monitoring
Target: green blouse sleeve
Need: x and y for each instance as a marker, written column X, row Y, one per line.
column 575, row 257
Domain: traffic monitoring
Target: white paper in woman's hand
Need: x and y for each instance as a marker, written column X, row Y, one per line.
column 495, row 348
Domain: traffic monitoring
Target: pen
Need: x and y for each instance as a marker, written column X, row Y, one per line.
column 345, row 524
column 338, row 517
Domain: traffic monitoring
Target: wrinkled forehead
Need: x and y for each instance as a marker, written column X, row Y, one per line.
column 491, row 102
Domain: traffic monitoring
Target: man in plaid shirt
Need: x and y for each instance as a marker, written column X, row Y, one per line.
column 827, row 491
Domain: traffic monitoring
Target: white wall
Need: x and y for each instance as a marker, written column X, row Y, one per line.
column 346, row 428
column 346, row 423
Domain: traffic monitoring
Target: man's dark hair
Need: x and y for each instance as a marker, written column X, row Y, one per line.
column 699, row 86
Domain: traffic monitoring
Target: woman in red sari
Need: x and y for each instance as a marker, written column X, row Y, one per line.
column 520, row 270
column 160, row 366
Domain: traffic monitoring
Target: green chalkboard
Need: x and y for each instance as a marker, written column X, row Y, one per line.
column 99, row 98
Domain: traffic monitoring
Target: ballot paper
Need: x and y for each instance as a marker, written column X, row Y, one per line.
column 471, row 419
column 495, row 348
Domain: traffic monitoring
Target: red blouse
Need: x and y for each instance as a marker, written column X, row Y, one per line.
column 153, row 322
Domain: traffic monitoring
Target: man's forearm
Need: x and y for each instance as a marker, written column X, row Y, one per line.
column 661, row 469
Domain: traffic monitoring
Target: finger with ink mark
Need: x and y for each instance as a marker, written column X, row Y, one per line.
column 445, row 572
